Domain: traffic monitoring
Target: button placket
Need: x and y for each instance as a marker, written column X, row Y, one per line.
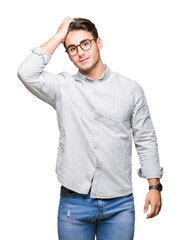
column 96, row 131
column 96, row 124
column 96, row 178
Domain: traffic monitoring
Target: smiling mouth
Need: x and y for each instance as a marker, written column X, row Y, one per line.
column 84, row 60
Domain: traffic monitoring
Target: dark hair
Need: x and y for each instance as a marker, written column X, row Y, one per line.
column 83, row 24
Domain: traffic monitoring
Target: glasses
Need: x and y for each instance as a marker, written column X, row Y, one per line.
column 84, row 44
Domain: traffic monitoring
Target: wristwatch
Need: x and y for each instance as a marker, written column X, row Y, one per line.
column 158, row 187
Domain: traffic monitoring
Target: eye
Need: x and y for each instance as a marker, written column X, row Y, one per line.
column 86, row 43
column 72, row 49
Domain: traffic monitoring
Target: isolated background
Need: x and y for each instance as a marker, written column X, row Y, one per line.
column 142, row 41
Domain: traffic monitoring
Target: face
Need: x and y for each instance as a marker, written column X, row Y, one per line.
column 85, row 61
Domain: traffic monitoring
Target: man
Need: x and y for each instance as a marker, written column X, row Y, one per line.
column 97, row 111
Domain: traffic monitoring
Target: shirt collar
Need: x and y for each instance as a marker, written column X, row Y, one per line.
column 105, row 75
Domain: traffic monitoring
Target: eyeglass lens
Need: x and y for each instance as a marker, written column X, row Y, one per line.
column 85, row 45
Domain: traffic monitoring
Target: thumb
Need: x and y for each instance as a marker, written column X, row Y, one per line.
column 146, row 206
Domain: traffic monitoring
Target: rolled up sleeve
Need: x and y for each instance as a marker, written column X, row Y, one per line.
column 41, row 83
column 145, row 137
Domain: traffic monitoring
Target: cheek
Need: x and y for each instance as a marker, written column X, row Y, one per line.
column 74, row 59
column 95, row 53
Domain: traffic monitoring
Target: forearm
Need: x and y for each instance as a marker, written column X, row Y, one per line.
column 153, row 181
column 52, row 44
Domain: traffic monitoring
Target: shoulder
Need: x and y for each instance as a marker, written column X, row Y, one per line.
column 64, row 77
column 64, row 74
column 131, row 84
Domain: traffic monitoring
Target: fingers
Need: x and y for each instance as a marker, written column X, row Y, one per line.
column 155, row 209
column 146, row 206
column 153, row 198
column 152, row 213
column 63, row 28
column 68, row 19
column 158, row 208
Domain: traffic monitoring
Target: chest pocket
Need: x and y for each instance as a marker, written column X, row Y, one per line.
column 115, row 110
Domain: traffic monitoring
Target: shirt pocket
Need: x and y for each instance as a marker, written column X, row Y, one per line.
column 117, row 110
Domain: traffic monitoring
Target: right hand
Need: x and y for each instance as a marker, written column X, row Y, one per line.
column 63, row 28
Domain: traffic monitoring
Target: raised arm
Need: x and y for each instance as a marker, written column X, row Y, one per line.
column 31, row 72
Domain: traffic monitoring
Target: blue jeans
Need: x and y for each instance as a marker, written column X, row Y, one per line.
column 82, row 218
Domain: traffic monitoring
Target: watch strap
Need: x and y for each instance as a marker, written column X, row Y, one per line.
column 157, row 187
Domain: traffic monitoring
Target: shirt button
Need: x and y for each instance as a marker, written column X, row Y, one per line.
column 97, row 117
column 97, row 168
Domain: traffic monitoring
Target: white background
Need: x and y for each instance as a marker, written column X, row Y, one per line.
column 142, row 41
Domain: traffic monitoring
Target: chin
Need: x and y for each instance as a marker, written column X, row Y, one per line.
column 88, row 67
column 84, row 68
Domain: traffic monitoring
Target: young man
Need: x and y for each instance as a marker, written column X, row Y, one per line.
column 97, row 111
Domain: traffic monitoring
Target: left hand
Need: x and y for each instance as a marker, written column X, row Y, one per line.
column 154, row 199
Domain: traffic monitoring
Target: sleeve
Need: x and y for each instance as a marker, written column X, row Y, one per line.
column 41, row 83
column 145, row 137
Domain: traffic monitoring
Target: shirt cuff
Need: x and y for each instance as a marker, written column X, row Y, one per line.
column 46, row 56
column 153, row 172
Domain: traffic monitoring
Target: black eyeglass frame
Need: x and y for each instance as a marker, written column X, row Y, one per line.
column 79, row 45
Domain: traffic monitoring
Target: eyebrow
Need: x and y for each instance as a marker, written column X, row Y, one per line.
column 78, row 44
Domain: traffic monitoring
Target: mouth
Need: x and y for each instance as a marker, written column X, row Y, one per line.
column 83, row 60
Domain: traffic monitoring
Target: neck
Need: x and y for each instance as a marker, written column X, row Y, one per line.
column 96, row 72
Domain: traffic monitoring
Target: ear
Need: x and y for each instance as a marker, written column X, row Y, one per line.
column 99, row 43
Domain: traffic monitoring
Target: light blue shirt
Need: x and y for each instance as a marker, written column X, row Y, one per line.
column 97, row 121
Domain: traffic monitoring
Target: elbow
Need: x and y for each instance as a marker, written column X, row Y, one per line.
column 24, row 74
column 21, row 73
